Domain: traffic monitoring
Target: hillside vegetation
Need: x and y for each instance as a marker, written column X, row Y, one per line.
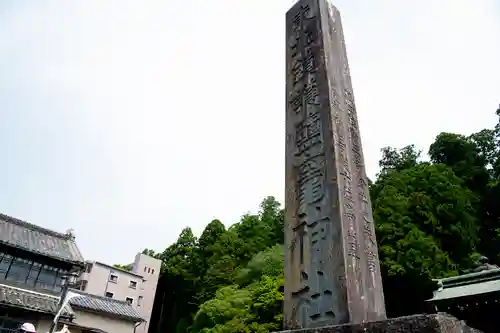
column 433, row 219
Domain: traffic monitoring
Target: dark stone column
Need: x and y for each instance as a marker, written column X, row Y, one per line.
column 332, row 272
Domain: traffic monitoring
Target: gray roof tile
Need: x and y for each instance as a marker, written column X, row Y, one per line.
column 31, row 300
column 105, row 305
column 21, row 234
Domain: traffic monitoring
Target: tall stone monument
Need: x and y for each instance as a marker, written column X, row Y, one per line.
column 332, row 272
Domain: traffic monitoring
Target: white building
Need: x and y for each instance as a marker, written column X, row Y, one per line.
column 136, row 287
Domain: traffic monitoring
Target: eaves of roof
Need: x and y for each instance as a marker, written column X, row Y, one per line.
column 99, row 304
column 478, row 283
column 31, row 300
column 29, row 237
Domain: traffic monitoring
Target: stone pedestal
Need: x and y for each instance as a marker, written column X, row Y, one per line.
column 425, row 323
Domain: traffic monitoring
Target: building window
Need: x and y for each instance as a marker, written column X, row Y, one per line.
column 133, row 284
column 88, row 268
column 149, row 270
column 145, row 268
column 129, row 300
column 47, row 278
column 153, row 271
column 9, row 325
column 139, row 300
column 108, row 294
column 83, row 285
column 5, row 262
column 34, row 274
column 19, row 270
column 113, row 278
column 59, row 280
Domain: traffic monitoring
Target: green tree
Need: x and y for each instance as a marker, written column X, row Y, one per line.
column 399, row 159
column 255, row 233
column 273, row 217
column 464, row 157
column 267, row 304
column 179, row 270
column 431, row 199
column 213, row 271
column 149, row 252
column 229, row 303
column 431, row 218
column 256, row 307
column 426, row 228
column 124, row 267
column 194, row 269
column 266, row 263
column 486, row 143
column 474, row 159
column 221, row 273
column 209, row 237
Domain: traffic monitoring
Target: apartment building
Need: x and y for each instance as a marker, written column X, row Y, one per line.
column 35, row 264
column 136, row 287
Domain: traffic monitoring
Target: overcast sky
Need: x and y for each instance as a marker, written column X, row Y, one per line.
column 129, row 120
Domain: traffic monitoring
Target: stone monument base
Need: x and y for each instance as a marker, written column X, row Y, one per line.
column 424, row 323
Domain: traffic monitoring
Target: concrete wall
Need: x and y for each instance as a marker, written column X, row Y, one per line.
column 94, row 320
column 149, row 268
column 43, row 325
column 99, row 283
column 107, row 324
column 145, row 271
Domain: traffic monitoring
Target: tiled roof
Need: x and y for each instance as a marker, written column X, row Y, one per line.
column 33, row 238
column 471, row 284
column 31, row 300
column 105, row 305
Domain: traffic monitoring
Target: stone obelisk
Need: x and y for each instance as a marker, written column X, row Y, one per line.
column 332, row 271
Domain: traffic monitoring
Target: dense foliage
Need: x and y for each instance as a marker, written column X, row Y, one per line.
column 433, row 219
column 127, row 267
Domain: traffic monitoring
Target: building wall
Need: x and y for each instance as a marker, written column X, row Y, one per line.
column 149, row 268
column 43, row 325
column 145, row 271
column 107, row 324
column 88, row 319
column 100, row 282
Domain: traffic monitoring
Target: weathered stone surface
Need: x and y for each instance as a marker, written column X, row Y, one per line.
column 332, row 273
column 434, row 323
